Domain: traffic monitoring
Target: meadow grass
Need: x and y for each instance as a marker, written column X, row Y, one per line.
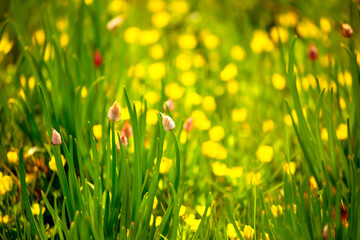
column 179, row 120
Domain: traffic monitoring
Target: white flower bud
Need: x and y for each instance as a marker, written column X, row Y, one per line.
column 167, row 122
column 55, row 138
column 114, row 113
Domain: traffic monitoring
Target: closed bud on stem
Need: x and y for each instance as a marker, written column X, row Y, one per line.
column 170, row 104
column 97, row 58
column 55, row 138
column 313, row 53
column 114, row 113
column 167, row 122
column 346, row 30
column 189, row 124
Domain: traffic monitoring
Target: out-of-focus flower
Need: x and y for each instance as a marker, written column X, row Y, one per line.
column 261, row 42
column 307, row 29
column 188, row 78
column 248, row 232
column 325, row 25
column 230, row 230
column 83, row 92
column 276, row 210
column 216, row 133
column 343, row 213
column 147, row 37
column 161, row 19
column 313, row 183
column 35, row 209
column 312, row 52
column 39, row 37
column 127, row 129
column 4, row 219
column 52, row 163
column 12, row 157
column 187, row 41
column 131, row 35
column 167, row 122
column 229, row 72
column 192, row 222
column 114, row 113
column 201, row 210
column 239, row 115
column 288, row 19
column 165, row 165
column 237, row 53
column 157, row 70
column 168, row 104
column 279, row 32
column 6, row 183
column 189, row 124
column 114, row 23
column 97, row 131
column 265, row 153
column 174, row 91
column 55, row 138
column 290, row 168
column 213, row 149
column 5, row 44
column 98, row 60
column 209, row 104
column 253, row 178
column 219, row 169
column 268, row 125
column 156, row 51
column 346, row 30
column 278, row 81
column 341, row 132
column 200, row 120
column 123, row 140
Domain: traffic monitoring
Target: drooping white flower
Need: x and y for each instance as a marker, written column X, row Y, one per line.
column 114, row 113
column 167, row 122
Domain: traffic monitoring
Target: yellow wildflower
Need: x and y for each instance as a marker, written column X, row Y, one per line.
column 276, row 210
column 265, row 153
column 216, row 133
column 12, row 157
column 229, row 72
column 52, row 163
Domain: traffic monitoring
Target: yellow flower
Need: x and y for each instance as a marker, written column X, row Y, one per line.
column 97, row 130
column 313, row 183
column 5, row 44
column 265, row 153
column 325, row 25
column 253, row 178
column 219, row 169
column 198, row 61
column 213, row 149
column 201, row 210
column 137, row 71
column 188, row 78
column 187, row 41
column 174, row 91
column 290, row 168
column 268, row 125
column 156, row 51
column 192, row 222
column 4, row 219
column 209, row 104
column 157, row 70
column 216, row 133
column 151, row 117
column 232, row 86
column 35, row 209
column 182, row 210
column 276, row 31
column 148, row 37
column 239, row 115
column 235, row 172
column 156, row 5
column 179, row 7
column 342, row 132
column 12, row 157
column 64, row 40
column 83, row 92
column 193, row 98
column 289, row 19
column 230, row 230
column 131, row 35
column 165, row 165
column 200, row 120
column 183, row 61
column 324, row 134
column 160, row 19
column 278, row 81
column 248, row 232
column 261, row 42
column 307, row 29
column 52, row 163
column 39, row 36
column 276, row 210
column 152, row 97
column 229, row 72
column 211, row 41
column 6, row 184
column 237, row 53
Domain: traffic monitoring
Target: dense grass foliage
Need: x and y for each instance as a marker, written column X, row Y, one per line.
column 177, row 119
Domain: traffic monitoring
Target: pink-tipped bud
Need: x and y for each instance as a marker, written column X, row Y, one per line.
column 55, row 138
column 170, row 104
column 326, row 232
column 189, row 124
column 346, row 30
column 114, row 23
column 97, row 58
column 123, row 140
column 114, row 113
column 167, row 122
column 312, row 52
column 127, row 129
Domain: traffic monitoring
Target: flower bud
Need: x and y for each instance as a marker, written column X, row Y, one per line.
column 127, row 129
column 189, row 124
column 167, row 122
column 114, row 23
column 326, row 232
column 97, row 58
column 312, row 52
column 114, row 113
column 170, row 104
column 346, row 30
column 123, row 138
column 55, row 138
